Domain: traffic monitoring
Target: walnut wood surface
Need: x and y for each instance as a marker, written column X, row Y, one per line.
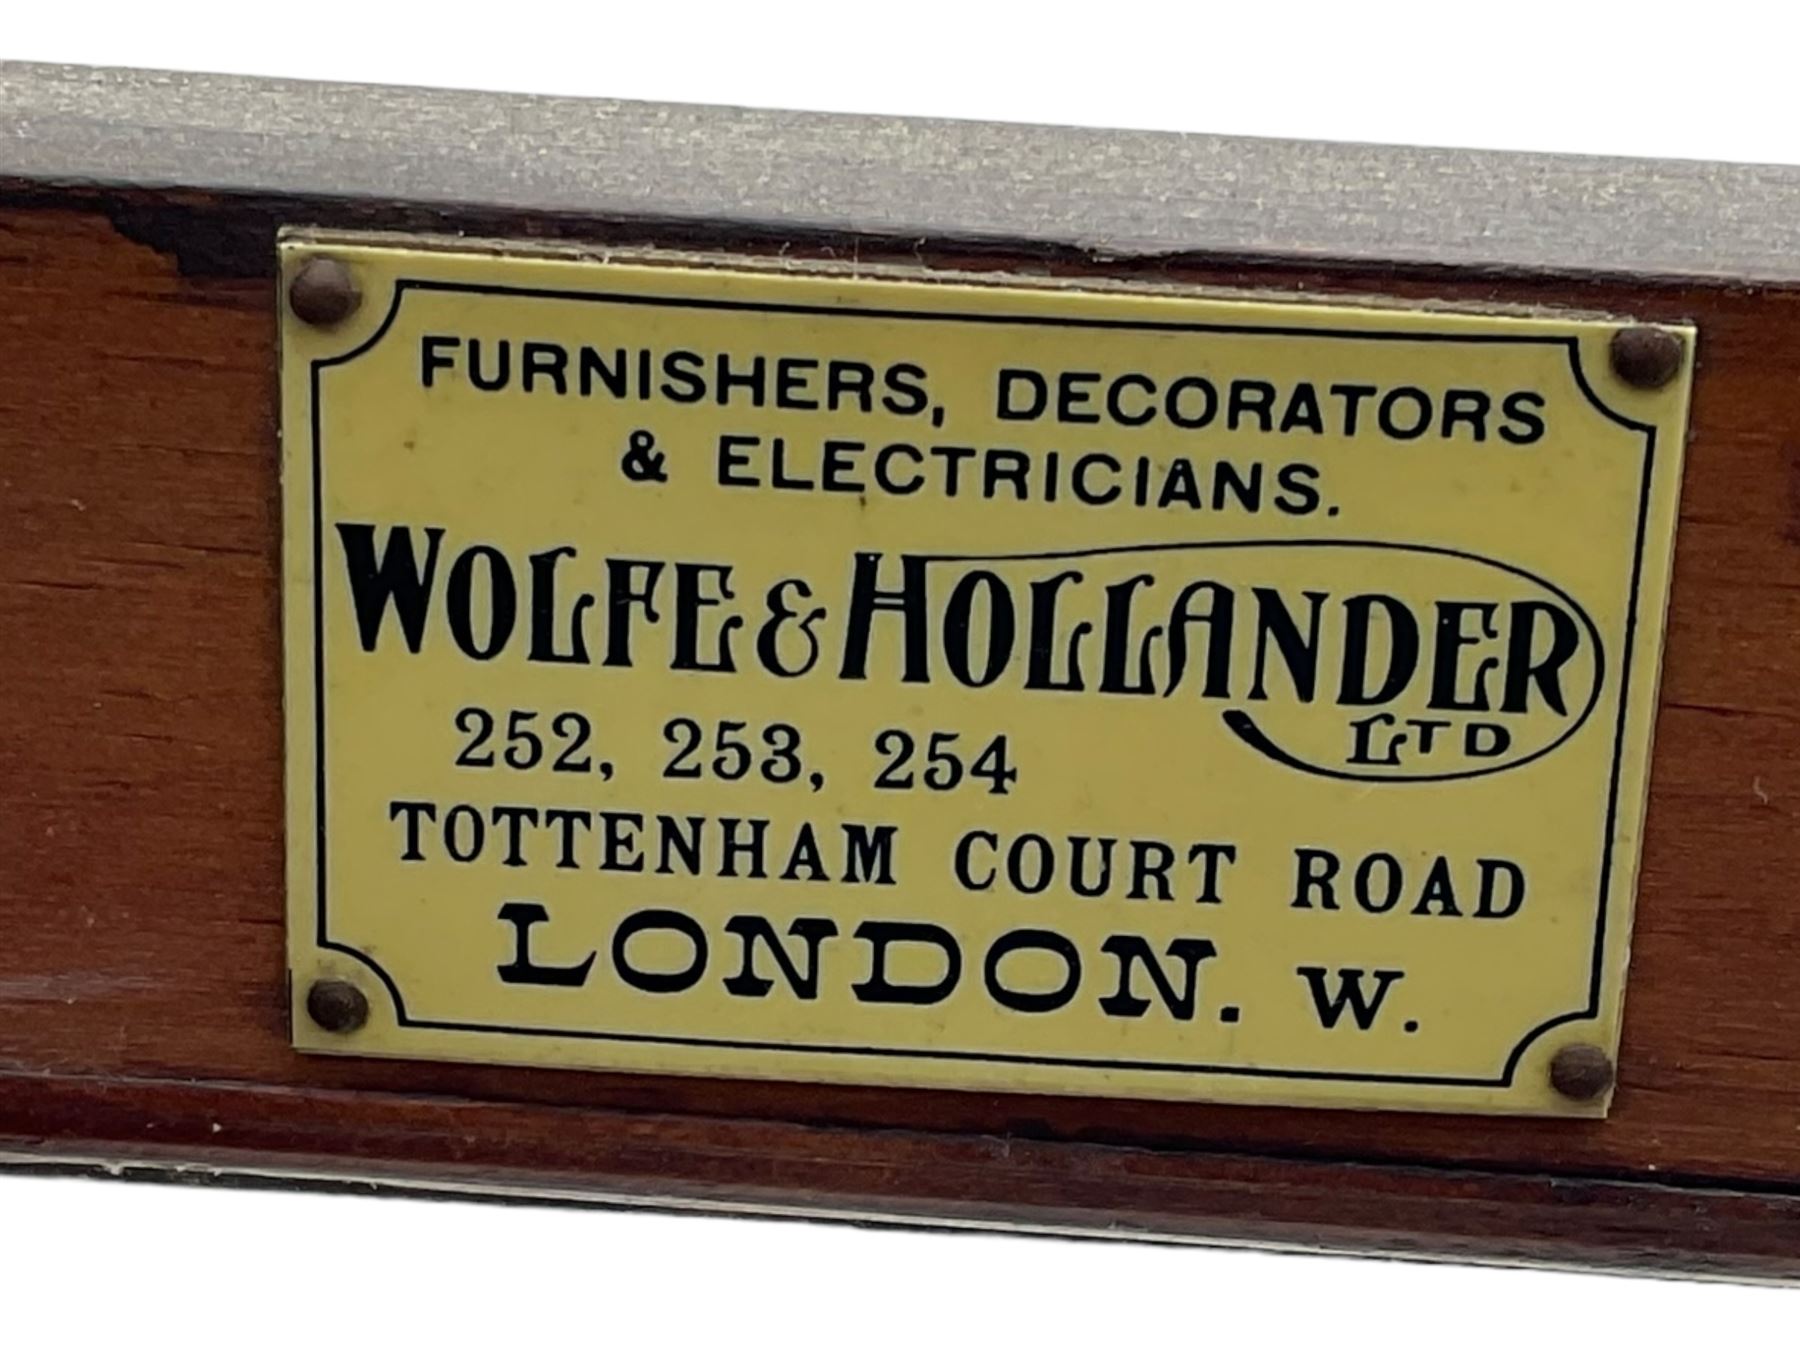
column 142, row 1008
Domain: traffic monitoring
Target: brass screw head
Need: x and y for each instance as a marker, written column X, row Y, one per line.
column 1581, row 1072
column 1646, row 357
column 324, row 292
column 337, row 1006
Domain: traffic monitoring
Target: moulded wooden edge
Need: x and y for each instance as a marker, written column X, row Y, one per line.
column 454, row 1146
column 1102, row 193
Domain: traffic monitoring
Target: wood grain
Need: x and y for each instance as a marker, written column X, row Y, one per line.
column 142, row 1008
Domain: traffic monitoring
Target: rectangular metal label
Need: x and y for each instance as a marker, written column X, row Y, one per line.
column 777, row 672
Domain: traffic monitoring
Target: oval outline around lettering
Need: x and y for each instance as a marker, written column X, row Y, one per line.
column 1432, row 550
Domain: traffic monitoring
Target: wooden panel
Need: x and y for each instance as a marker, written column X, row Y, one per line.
column 142, row 1009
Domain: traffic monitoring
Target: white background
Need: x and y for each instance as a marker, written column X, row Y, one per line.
column 89, row 1263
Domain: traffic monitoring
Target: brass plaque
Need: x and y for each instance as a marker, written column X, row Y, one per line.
column 782, row 672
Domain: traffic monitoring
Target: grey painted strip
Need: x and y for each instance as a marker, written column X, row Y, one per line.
column 1111, row 193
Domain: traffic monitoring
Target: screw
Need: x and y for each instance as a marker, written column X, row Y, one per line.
column 1645, row 357
column 324, row 292
column 1581, row 1072
column 337, row 1005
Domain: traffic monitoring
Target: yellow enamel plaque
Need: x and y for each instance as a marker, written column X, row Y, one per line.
column 796, row 674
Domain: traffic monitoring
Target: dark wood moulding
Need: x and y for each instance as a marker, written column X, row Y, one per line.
column 142, row 1000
